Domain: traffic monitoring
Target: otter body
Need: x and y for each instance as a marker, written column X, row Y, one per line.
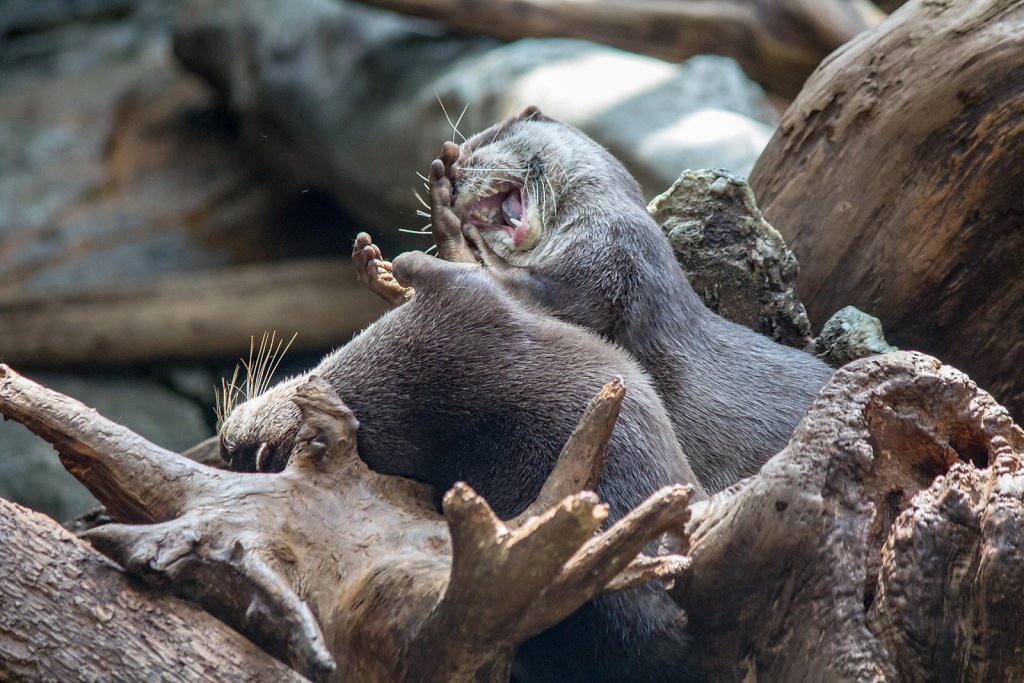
column 465, row 383
column 562, row 225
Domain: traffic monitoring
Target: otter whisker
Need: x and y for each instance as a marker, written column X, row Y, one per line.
column 454, row 126
column 420, row 212
column 551, row 199
column 274, row 360
column 225, row 397
column 459, row 120
column 260, row 370
column 249, row 367
column 424, row 231
column 422, row 177
column 421, row 199
column 429, row 249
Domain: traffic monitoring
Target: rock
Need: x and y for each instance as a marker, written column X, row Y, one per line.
column 738, row 263
column 346, row 98
column 32, row 473
column 119, row 168
column 848, row 335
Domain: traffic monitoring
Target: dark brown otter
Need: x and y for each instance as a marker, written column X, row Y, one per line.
column 563, row 226
column 464, row 382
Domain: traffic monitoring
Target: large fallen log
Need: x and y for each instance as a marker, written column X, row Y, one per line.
column 895, row 178
column 777, row 43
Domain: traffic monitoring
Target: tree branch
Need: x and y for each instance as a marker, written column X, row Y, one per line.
column 778, row 43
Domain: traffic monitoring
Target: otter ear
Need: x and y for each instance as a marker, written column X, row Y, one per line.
column 418, row 270
column 533, row 112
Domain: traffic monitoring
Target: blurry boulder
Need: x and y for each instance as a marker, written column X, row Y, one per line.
column 119, row 168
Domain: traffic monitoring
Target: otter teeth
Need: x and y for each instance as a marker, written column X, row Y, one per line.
column 515, row 221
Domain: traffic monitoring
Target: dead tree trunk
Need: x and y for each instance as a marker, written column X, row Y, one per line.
column 895, row 177
column 204, row 313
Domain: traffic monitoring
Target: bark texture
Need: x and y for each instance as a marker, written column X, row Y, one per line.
column 67, row 613
column 777, row 43
column 895, row 177
column 880, row 544
column 347, row 574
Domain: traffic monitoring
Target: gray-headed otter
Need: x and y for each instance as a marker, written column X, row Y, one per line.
column 464, row 382
column 562, row 225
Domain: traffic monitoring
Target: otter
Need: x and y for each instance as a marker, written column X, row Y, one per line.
column 464, row 382
column 560, row 224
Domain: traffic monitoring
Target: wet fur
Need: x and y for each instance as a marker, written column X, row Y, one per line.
column 733, row 396
column 464, row 382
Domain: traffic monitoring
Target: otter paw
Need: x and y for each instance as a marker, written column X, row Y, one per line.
column 483, row 251
column 445, row 226
column 376, row 273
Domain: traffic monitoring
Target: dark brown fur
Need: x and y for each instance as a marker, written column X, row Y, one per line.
column 598, row 259
column 464, row 382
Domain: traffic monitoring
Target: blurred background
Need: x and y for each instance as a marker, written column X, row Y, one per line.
column 177, row 177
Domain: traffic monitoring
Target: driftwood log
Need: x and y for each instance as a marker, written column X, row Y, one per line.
column 370, row 586
column 777, row 43
column 895, row 178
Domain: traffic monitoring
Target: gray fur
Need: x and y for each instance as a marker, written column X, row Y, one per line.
column 464, row 382
column 733, row 396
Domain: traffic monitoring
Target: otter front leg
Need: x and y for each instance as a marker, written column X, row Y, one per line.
column 376, row 273
column 445, row 226
column 551, row 288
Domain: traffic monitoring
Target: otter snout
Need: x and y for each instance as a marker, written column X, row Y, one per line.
column 259, row 434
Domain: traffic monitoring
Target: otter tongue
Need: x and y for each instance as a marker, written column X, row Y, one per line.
column 513, row 206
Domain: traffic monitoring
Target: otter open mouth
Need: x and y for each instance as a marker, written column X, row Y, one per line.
column 505, row 208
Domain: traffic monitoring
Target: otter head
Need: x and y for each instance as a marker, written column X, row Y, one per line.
column 521, row 180
column 258, row 435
